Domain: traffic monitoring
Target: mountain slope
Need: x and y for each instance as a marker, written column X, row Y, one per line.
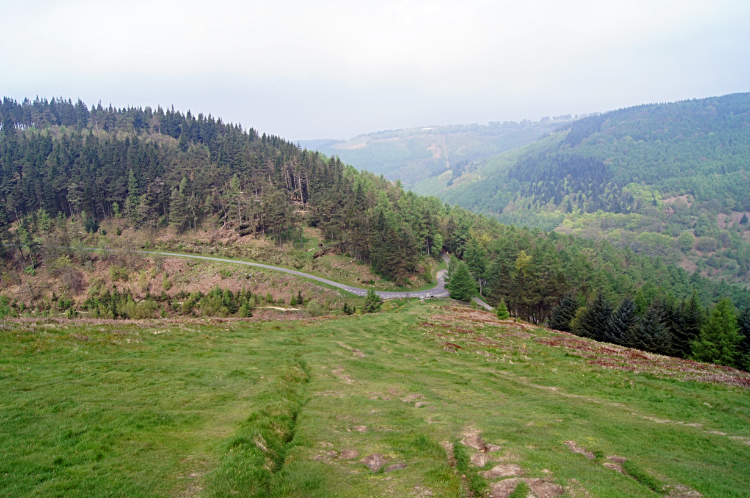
column 664, row 170
column 416, row 154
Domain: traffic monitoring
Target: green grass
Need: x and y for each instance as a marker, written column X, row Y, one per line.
column 172, row 408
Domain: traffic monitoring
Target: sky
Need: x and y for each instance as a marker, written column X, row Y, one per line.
column 336, row 69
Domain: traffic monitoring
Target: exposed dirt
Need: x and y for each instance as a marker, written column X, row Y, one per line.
column 504, row 470
column 614, row 466
column 356, row 352
column 575, row 448
column 374, row 461
column 472, row 440
column 410, row 398
column 539, row 488
column 348, row 454
column 681, row 491
column 339, row 372
column 395, row 466
column 479, row 459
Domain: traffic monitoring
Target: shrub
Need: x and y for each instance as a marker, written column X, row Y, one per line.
column 314, row 309
column 705, row 244
column 686, row 240
column 502, row 310
column 137, row 311
column 373, row 302
column 166, row 284
column 117, row 273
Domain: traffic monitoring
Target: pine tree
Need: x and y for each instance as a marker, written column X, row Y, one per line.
column 744, row 220
column 563, row 313
column 719, row 336
column 502, row 310
column 476, row 259
column 690, row 323
column 744, row 346
column 649, row 334
column 621, row 322
column 462, row 285
column 133, row 200
column 177, row 209
column 372, row 302
column 593, row 323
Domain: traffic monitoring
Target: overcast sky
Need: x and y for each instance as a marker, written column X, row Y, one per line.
column 335, row 69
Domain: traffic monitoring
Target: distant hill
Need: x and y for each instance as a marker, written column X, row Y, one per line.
column 640, row 177
column 415, row 154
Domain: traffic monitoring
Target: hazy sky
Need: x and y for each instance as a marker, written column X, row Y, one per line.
column 334, row 69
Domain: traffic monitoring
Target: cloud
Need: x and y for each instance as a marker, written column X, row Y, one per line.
column 334, row 68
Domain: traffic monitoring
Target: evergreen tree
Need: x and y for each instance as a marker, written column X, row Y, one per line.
column 502, row 311
column 373, row 302
column 594, row 322
column 743, row 221
column 462, row 285
column 133, row 200
column 649, row 334
column 177, row 209
column 621, row 322
column 476, row 259
column 563, row 313
column 719, row 336
column 691, row 320
column 743, row 347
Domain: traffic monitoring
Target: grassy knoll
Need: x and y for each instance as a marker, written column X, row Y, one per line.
column 423, row 400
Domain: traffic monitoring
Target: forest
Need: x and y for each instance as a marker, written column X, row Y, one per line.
column 64, row 163
column 668, row 180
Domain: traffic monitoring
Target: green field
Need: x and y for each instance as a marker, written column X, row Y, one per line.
column 298, row 407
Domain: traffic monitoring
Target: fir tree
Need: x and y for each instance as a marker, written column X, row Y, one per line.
column 462, row 285
column 743, row 347
column 476, row 259
column 593, row 323
column 372, row 302
column 563, row 313
column 621, row 322
column 133, row 199
column 719, row 336
column 177, row 209
column 649, row 334
column 744, row 220
column 691, row 316
column 502, row 310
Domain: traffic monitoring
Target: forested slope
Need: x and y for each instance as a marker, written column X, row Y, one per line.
column 666, row 179
column 66, row 168
column 421, row 155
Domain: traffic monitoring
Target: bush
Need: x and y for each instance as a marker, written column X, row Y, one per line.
column 138, row 311
column 373, row 302
column 705, row 244
column 314, row 309
column 91, row 225
column 502, row 310
column 117, row 273
column 686, row 240
column 166, row 284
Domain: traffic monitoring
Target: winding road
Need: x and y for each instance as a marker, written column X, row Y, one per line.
column 437, row 291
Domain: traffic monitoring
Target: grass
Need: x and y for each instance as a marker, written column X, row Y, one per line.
column 278, row 408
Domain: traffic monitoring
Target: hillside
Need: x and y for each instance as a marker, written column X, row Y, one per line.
column 165, row 330
column 670, row 180
column 424, row 400
column 415, row 154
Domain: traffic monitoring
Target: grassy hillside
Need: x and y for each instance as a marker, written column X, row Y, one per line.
column 416, row 155
column 424, row 400
column 669, row 180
